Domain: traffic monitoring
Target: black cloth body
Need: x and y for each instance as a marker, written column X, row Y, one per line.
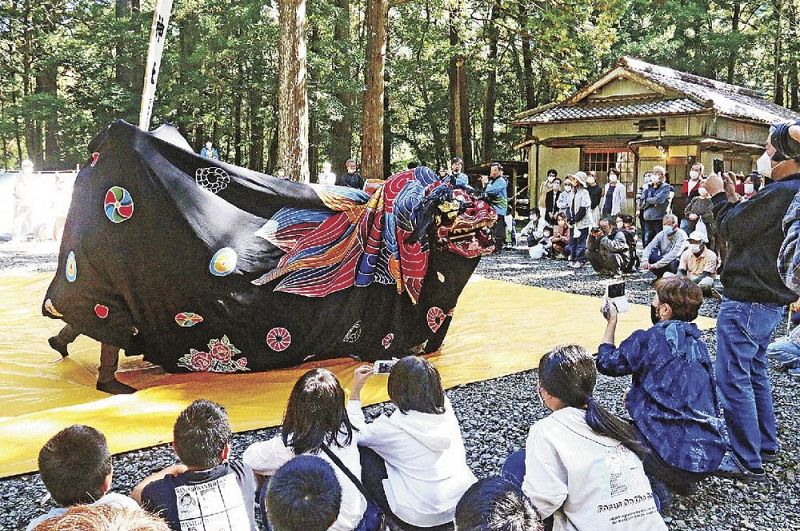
column 138, row 270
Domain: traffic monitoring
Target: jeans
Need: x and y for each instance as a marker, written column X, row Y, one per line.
column 650, row 228
column 787, row 353
column 743, row 333
column 576, row 248
column 659, row 272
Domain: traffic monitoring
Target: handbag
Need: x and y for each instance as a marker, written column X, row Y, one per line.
column 374, row 518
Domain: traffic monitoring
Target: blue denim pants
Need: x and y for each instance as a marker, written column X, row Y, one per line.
column 743, row 333
column 787, row 353
column 576, row 248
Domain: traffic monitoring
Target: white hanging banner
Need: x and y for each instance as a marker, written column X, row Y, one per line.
column 158, row 34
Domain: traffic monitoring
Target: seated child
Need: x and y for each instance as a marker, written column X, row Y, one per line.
column 544, row 247
column 316, row 416
column 673, row 397
column 104, row 517
column 580, row 464
column 413, row 461
column 75, row 465
column 561, row 236
column 303, row 495
column 205, row 490
column 496, row 504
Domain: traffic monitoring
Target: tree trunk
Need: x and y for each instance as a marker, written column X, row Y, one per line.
column 735, row 18
column 376, row 22
column 794, row 89
column 238, row 96
column 341, row 145
column 459, row 125
column 256, row 132
column 779, row 88
column 292, row 93
column 491, row 83
column 527, row 59
column 46, row 85
column 387, row 130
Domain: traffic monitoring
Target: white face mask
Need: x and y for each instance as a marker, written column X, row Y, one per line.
column 620, row 224
column 764, row 165
column 749, row 188
column 695, row 248
column 694, row 175
column 703, row 193
column 612, row 178
column 567, row 187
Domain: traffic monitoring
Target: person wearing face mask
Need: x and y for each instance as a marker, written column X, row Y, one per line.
column 699, row 208
column 692, row 184
column 547, row 186
column 497, row 192
column 607, row 249
column 579, row 219
column 663, row 253
column 551, row 200
column 532, row 232
column 595, row 194
column 673, row 396
column 613, row 195
column 755, row 294
column 647, row 181
column 566, row 195
column 655, row 202
column 752, row 183
column 699, row 264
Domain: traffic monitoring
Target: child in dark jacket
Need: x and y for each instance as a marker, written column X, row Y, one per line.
column 673, row 397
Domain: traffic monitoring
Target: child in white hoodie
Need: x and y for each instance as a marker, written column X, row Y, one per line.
column 413, row 461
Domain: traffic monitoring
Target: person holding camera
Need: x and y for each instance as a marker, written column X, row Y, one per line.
column 607, row 249
column 673, row 396
column 755, row 285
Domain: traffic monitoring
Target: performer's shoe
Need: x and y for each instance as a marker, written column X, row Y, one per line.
column 59, row 346
column 115, row 387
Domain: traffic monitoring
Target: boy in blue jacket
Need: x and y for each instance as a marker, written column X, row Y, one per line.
column 673, row 397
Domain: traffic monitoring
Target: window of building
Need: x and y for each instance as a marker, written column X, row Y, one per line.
column 600, row 160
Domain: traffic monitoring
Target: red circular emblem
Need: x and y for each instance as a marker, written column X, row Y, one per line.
column 435, row 318
column 279, row 339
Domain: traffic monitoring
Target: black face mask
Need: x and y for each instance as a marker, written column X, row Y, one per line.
column 654, row 314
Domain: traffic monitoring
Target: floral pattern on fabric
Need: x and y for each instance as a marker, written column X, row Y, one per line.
column 219, row 358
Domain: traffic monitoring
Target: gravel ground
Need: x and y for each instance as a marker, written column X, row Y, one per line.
column 496, row 414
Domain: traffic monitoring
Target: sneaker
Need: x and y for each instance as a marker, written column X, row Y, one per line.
column 769, row 456
column 732, row 468
column 58, row 345
column 115, row 387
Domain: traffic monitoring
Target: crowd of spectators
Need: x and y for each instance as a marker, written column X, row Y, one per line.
column 582, row 467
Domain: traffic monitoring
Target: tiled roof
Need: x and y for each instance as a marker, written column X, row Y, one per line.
column 699, row 93
column 630, row 109
column 728, row 100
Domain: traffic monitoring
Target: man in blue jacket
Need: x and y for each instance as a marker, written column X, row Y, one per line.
column 655, row 201
column 754, row 297
column 497, row 192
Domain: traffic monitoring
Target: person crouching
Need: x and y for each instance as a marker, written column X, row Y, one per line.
column 607, row 249
column 699, row 264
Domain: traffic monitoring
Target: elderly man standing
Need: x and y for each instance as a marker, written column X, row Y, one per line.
column 663, row 253
column 655, row 201
column 497, row 192
column 754, row 297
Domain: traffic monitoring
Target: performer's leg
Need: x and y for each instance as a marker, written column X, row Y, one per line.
column 106, row 381
column 61, row 341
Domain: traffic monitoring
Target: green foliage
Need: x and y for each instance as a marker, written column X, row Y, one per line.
column 218, row 77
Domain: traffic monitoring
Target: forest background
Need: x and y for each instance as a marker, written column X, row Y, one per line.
column 432, row 78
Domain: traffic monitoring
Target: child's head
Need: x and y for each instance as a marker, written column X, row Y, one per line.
column 415, row 385
column 677, row 298
column 76, row 465
column 315, row 413
column 561, row 218
column 547, row 232
column 303, row 495
column 102, row 517
column 627, row 220
column 202, row 435
column 567, row 376
column 496, row 504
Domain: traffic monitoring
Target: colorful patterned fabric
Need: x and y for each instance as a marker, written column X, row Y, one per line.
column 225, row 269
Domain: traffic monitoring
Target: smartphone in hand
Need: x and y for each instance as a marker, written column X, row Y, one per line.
column 615, row 294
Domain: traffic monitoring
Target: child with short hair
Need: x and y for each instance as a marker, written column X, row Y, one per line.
column 544, row 247
column 317, row 417
column 206, row 488
column 673, row 397
column 303, row 495
column 104, row 517
column 580, row 464
column 76, row 468
column 496, row 504
column 414, row 464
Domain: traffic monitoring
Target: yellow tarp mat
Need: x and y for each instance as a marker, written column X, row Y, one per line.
column 499, row 328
